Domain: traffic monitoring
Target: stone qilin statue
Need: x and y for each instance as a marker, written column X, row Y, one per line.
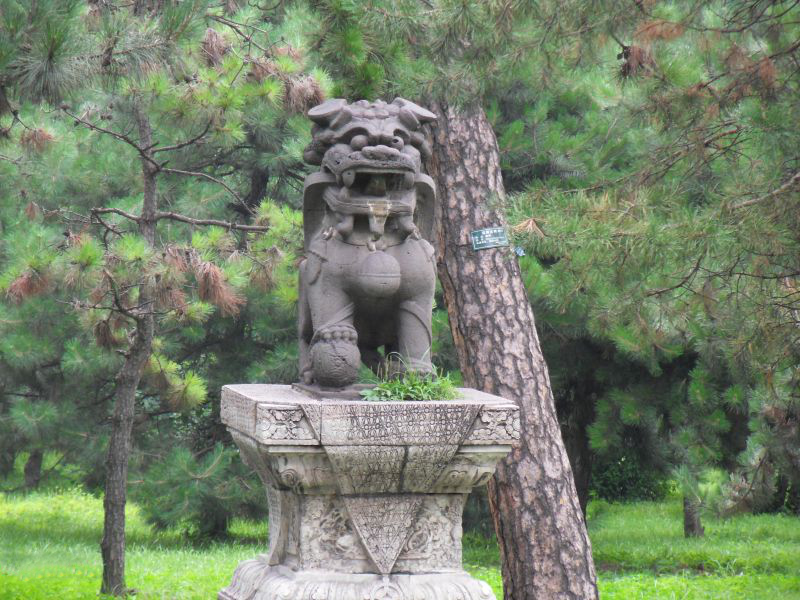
column 365, row 498
column 368, row 278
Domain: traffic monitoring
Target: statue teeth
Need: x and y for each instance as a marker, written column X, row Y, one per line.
column 348, row 178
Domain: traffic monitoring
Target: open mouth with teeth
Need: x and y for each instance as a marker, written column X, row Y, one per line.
column 374, row 183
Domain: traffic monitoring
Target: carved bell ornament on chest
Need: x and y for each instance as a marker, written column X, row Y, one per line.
column 368, row 278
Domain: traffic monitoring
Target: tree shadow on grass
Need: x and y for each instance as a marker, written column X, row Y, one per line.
column 76, row 518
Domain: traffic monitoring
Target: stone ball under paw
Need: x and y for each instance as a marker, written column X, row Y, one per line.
column 335, row 363
column 378, row 275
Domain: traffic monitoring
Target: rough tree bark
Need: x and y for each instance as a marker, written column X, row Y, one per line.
column 7, row 459
column 33, row 469
column 544, row 545
column 127, row 381
column 692, row 526
column 576, row 412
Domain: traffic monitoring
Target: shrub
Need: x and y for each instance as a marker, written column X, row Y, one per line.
column 626, row 478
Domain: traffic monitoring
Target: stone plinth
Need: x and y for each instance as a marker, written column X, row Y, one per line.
column 365, row 498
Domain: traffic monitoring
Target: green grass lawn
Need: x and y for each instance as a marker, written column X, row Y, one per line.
column 49, row 549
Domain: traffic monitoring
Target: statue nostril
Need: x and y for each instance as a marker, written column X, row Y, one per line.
column 397, row 143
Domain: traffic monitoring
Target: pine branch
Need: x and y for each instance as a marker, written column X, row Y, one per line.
column 236, row 27
column 210, row 178
column 756, row 19
column 173, row 216
column 265, row 9
column 128, row 51
column 226, row 224
column 122, row 137
column 792, row 181
column 681, row 283
column 616, row 39
column 186, row 143
column 231, row 23
column 665, row 165
column 146, row 153
column 131, row 312
column 108, row 229
column 740, row 501
column 116, row 211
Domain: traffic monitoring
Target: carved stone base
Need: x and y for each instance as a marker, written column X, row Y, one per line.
column 365, row 498
column 256, row 580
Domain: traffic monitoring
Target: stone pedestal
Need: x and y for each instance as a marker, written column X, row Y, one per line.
column 365, row 498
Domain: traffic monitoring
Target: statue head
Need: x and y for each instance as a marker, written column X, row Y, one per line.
column 370, row 156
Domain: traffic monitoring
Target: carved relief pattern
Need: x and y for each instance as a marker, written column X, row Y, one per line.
column 435, row 539
column 495, row 426
column 464, row 477
column 254, row 579
column 424, row 466
column 364, row 469
column 328, row 539
column 300, row 471
column 367, row 423
column 282, row 424
column 467, row 470
column 383, row 524
column 290, row 478
column 386, row 590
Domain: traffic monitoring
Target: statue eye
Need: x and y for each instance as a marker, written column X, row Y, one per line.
column 358, row 142
column 397, row 143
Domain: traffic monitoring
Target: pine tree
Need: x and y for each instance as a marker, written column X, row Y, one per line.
column 664, row 260
column 135, row 277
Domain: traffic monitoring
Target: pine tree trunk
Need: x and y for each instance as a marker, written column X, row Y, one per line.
column 127, row 381
column 781, row 496
column 544, row 545
column 576, row 413
column 692, row 527
column 33, row 469
column 7, row 459
column 259, row 179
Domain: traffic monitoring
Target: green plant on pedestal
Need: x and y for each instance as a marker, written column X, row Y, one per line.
column 412, row 385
